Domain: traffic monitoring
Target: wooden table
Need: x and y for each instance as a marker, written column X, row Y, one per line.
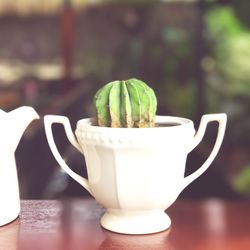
column 74, row 224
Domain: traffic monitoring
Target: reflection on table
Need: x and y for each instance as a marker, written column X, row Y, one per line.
column 74, row 224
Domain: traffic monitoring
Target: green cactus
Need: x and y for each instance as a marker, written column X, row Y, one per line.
column 126, row 104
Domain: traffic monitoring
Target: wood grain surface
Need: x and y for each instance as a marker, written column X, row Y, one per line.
column 74, row 224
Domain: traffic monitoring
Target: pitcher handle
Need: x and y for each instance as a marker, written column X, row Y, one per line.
column 222, row 120
column 48, row 122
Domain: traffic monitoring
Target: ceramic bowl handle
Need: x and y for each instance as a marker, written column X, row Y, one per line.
column 222, row 120
column 48, row 122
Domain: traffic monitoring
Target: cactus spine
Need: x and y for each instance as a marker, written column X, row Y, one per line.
column 128, row 104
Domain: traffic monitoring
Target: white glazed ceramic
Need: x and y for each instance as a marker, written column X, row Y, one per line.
column 136, row 173
column 12, row 126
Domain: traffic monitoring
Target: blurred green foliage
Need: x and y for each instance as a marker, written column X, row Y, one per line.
column 241, row 182
column 228, row 78
column 241, row 9
column 231, row 47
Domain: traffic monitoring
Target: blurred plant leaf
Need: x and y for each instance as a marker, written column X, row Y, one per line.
column 230, row 42
column 241, row 182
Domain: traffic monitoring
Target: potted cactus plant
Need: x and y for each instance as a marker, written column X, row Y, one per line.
column 126, row 104
column 135, row 160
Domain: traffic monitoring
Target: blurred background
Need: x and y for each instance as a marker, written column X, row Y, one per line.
column 54, row 55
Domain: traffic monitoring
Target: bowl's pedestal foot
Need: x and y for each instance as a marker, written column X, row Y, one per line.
column 144, row 222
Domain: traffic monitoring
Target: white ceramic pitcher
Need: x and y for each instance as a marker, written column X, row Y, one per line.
column 136, row 173
column 12, row 126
